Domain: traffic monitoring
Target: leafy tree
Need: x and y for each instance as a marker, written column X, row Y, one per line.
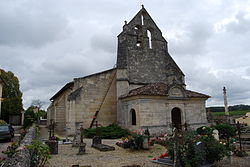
column 37, row 103
column 29, row 117
column 226, row 131
column 12, row 103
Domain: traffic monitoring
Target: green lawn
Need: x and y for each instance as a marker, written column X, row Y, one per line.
column 232, row 113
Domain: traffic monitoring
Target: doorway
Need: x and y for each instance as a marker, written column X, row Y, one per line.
column 176, row 117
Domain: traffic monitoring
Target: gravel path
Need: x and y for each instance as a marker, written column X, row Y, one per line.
column 94, row 158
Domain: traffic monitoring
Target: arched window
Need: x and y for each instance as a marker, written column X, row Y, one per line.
column 149, row 39
column 133, row 116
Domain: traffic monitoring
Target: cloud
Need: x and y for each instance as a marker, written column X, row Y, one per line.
column 47, row 44
column 103, row 42
column 191, row 38
column 33, row 27
column 240, row 25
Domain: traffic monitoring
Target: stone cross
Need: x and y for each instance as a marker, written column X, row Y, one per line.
column 176, row 136
column 239, row 133
column 225, row 101
column 97, row 130
column 82, row 145
column 52, row 130
column 81, row 134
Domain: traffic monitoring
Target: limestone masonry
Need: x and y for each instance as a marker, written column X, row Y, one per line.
column 146, row 89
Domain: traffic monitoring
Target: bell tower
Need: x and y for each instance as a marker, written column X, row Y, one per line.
column 142, row 56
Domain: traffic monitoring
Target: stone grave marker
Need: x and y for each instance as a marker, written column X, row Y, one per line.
column 77, row 139
column 97, row 142
column 52, row 143
column 82, row 145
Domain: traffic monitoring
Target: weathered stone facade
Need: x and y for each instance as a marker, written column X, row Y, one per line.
column 146, row 90
column 77, row 102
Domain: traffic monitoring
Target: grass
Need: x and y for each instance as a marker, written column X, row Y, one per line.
column 232, row 113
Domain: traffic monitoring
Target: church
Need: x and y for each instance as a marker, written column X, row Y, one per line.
column 146, row 89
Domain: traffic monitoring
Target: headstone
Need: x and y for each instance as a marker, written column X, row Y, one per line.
column 82, row 149
column 52, row 143
column 53, row 146
column 145, row 144
column 216, row 134
column 76, row 140
column 200, row 150
column 82, row 145
column 96, row 140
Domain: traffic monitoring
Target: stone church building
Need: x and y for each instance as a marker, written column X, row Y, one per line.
column 146, row 89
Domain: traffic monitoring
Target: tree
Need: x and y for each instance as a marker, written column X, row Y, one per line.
column 37, row 103
column 226, row 131
column 12, row 103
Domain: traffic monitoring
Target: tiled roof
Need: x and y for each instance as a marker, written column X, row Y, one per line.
column 159, row 89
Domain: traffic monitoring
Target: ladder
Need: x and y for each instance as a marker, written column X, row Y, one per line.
column 99, row 108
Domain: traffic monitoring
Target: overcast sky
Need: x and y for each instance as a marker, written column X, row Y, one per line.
column 47, row 43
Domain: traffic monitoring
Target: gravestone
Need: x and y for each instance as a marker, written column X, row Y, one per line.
column 200, row 150
column 76, row 140
column 216, row 134
column 52, row 143
column 97, row 142
column 82, row 145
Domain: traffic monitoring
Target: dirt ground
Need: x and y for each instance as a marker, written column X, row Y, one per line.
column 119, row 157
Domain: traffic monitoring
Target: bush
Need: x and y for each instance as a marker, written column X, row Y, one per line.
column 136, row 141
column 189, row 154
column 112, row 131
column 204, row 130
column 39, row 153
column 226, row 131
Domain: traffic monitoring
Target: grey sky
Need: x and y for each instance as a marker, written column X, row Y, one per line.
column 47, row 43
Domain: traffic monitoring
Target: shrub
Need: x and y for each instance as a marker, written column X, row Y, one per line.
column 204, row 130
column 189, row 154
column 226, row 131
column 136, row 141
column 112, row 131
column 39, row 153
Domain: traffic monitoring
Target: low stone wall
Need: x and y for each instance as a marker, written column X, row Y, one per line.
column 22, row 157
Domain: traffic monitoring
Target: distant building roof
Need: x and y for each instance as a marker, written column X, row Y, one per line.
column 160, row 89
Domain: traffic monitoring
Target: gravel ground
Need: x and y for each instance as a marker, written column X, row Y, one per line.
column 94, row 158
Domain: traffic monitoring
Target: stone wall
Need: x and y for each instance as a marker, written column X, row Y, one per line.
column 22, row 157
column 155, row 113
column 57, row 111
column 89, row 94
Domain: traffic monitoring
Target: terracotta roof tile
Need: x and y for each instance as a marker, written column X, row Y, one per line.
column 159, row 89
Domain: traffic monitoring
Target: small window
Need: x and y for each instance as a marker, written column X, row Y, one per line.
column 133, row 116
column 142, row 20
column 149, row 39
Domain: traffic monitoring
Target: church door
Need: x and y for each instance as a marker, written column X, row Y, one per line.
column 176, row 117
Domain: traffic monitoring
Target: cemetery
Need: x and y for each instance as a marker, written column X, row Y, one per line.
column 137, row 114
